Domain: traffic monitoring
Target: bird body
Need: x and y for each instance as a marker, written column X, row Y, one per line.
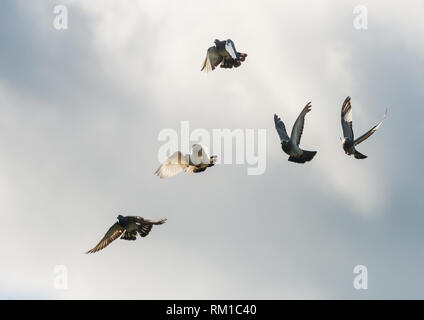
column 290, row 145
column 226, row 49
column 224, row 53
column 348, row 146
column 348, row 141
column 291, row 148
column 198, row 161
column 126, row 228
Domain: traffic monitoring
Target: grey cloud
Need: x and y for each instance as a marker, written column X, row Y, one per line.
column 81, row 111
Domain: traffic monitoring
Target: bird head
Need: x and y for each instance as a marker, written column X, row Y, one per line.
column 217, row 41
column 120, row 217
column 213, row 159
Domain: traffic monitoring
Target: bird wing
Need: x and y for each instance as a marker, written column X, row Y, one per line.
column 129, row 235
column 281, row 128
column 213, row 58
column 144, row 229
column 140, row 220
column 346, row 116
column 172, row 166
column 297, row 130
column 113, row 233
column 231, row 49
column 370, row 132
column 156, row 222
column 146, row 226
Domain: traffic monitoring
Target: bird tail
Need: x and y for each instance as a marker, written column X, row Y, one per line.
column 242, row 56
column 306, row 156
column 359, row 155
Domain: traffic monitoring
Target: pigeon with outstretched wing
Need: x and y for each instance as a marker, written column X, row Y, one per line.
column 198, row 161
column 126, row 228
column 290, row 145
column 348, row 142
column 224, row 53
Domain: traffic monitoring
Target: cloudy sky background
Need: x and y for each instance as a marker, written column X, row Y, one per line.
column 81, row 111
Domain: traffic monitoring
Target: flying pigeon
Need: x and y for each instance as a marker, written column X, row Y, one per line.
column 348, row 141
column 291, row 145
column 126, row 228
column 224, row 53
column 197, row 161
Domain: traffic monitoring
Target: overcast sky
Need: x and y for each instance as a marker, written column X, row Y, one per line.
column 82, row 108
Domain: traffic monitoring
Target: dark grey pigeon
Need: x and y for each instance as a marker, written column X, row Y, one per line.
column 291, row 145
column 126, row 228
column 348, row 141
column 224, row 53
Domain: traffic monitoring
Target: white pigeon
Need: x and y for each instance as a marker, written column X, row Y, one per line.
column 197, row 161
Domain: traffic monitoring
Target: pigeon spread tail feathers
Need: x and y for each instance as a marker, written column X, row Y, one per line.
column 359, row 155
column 306, row 156
column 242, row 56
